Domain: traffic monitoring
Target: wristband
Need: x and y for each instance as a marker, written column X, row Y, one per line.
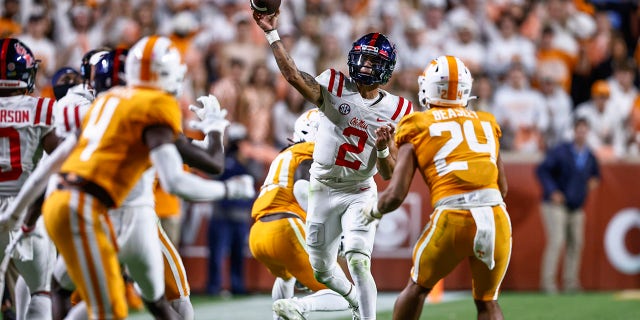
column 383, row 153
column 272, row 36
column 26, row 229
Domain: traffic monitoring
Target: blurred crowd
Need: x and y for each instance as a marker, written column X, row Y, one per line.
column 537, row 65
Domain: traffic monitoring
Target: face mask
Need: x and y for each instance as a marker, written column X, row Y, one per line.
column 61, row 90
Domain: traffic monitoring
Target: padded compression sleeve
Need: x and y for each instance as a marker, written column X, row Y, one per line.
column 175, row 180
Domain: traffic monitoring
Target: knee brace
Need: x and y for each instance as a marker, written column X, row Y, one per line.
column 359, row 263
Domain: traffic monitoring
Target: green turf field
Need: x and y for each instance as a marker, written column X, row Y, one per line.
column 521, row 306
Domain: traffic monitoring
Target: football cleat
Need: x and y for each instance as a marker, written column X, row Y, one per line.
column 289, row 309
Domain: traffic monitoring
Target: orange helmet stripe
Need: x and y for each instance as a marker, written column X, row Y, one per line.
column 452, row 90
column 145, row 62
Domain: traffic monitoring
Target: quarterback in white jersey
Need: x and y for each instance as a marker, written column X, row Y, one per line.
column 25, row 131
column 355, row 131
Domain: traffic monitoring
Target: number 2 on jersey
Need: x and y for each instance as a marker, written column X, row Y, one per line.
column 99, row 120
column 459, row 133
column 346, row 147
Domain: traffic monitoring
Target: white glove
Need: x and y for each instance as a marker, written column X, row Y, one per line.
column 370, row 212
column 240, row 187
column 211, row 116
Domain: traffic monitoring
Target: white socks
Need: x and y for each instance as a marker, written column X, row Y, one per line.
column 282, row 289
column 39, row 307
column 23, row 298
column 360, row 268
column 183, row 307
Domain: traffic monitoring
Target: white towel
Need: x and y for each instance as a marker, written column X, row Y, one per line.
column 484, row 241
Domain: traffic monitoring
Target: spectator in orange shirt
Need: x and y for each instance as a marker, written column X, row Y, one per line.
column 9, row 24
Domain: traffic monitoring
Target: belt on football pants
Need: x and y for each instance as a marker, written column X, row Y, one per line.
column 75, row 182
column 278, row 216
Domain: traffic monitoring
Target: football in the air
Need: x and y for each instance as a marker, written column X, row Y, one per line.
column 265, row 6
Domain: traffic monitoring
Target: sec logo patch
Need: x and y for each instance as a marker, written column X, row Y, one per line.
column 344, row 109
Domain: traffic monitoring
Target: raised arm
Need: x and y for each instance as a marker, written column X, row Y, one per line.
column 207, row 155
column 305, row 83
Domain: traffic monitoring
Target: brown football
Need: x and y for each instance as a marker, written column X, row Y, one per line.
column 265, row 6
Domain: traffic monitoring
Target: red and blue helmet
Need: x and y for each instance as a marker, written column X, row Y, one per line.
column 18, row 65
column 109, row 70
column 379, row 51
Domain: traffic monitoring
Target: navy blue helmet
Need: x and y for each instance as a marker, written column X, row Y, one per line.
column 379, row 51
column 109, row 70
column 18, row 65
column 90, row 59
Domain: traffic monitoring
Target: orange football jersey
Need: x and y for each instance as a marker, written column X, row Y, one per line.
column 111, row 152
column 276, row 194
column 456, row 149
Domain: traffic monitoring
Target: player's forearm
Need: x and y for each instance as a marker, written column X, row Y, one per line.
column 502, row 178
column 303, row 82
column 385, row 167
column 389, row 200
column 208, row 157
column 387, row 161
column 401, row 178
column 34, row 212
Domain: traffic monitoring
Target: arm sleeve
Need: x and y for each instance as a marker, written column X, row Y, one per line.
column 175, row 180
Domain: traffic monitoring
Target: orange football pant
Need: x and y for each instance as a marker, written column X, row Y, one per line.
column 279, row 245
column 80, row 228
column 448, row 239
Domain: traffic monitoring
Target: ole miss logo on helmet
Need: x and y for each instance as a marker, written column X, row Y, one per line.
column 22, row 51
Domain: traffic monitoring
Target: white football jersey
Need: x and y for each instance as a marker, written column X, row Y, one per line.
column 345, row 145
column 71, row 109
column 24, row 121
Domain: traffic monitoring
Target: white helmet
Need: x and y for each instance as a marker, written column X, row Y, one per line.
column 155, row 62
column 306, row 127
column 445, row 82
